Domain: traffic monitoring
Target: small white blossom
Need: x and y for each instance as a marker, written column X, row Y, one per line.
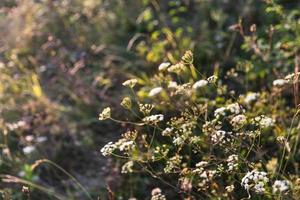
column 16, row 125
column 221, row 137
column 167, row 131
column 201, row 164
column 232, row 162
column 255, row 180
column 108, row 149
column 127, row 167
column 238, row 120
column 130, row 83
column 105, row 113
column 250, row 97
column 220, row 112
column 200, row 84
column 29, row 149
column 155, row 91
column 157, row 194
column 154, row 118
column 280, row 186
column 164, row 66
column 229, row 188
column 279, row 82
column 177, row 68
column 264, row 121
column 172, row 84
column 126, row 145
column 212, row 79
column 234, row 108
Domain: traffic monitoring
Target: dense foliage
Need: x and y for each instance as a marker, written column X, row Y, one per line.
column 203, row 98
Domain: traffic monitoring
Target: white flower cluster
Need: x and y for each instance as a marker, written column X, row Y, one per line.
column 167, row 131
column 164, row 66
column 221, row 137
column 212, row 79
column 232, row 162
column 233, row 108
column 173, row 163
column 229, row 188
column 251, row 97
column 157, row 194
column 127, row 167
column 200, row 167
column 177, row 68
column 264, row 121
column 125, row 145
column 106, row 113
column 200, row 84
column 280, row 186
column 146, row 108
column 238, row 120
column 255, row 180
column 172, row 84
column 122, row 144
column 29, row 149
column 155, row 91
column 108, row 149
column 279, row 82
column 206, row 177
column 130, row 83
column 16, row 125
column 153, row 119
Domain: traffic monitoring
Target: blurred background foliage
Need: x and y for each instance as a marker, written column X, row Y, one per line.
column 62, row 61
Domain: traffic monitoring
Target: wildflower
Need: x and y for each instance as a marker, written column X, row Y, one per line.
column 154, row 118
column 173, row 163
column 234, row 108
column 172, row 84
column 229, row 188
column 126, row 103
column 220, row 112
column 106, row 113
column 221, row 137
column 108, row 149
column 29, row 138
column 250, row 97
column 187, row 58
column 126, row 145
column 146, row 108
column 157, row 195
column 130, row 135
column 16, row 125
column 200, row 84
column 212, row 79
column 127, row 167
column 167, row 131
column 264, row 121
column 29, row 149
column 238, row 120
column 164, row 66
column 155, row 91
column 186, row 185
column 177, row 68
column 130, row 83
column 255, row 180
column 279, row 82
column 232, row 162
column 178, row 141
column 280, row 186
